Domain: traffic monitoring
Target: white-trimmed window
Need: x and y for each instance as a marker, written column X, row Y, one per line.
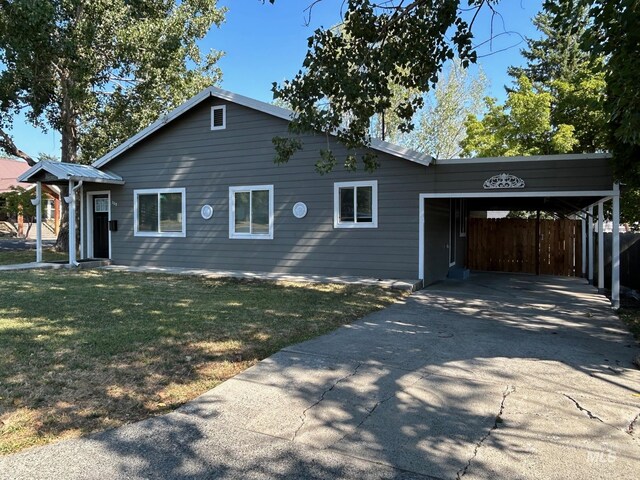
column 251, row 212
column 159, row 212
column 355, row 204
column 219, row 117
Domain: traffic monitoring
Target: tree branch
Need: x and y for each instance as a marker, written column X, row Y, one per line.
column 6, row 144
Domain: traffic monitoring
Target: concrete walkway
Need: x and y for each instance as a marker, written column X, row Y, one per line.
column 498, row 377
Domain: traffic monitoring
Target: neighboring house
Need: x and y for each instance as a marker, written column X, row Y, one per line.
column 10, row 170
column 198, row 188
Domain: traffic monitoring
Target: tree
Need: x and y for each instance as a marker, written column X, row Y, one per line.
column 441, row 123
column 616, row 35
column 348, row 73
column 17, row 201
column 521, row 126
column 558, row 54
column 97, row 71
column 557, row 63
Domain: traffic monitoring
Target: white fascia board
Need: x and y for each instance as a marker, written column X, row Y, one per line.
column 77, row 178
column 273, row 110
column 532, row 158
column 26, row 176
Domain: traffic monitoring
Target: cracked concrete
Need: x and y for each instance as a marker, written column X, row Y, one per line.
column 508, row 391
column 582, row 409
column 303, row 417
column 416, row 391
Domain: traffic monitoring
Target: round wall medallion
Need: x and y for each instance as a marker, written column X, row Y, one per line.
column 299, row 210
column 206, row 211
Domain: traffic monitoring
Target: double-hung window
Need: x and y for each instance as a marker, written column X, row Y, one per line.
column 251, row 212
column 159, row 212
column 355, row 204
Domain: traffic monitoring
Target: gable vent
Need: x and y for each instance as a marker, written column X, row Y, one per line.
column 218, row 117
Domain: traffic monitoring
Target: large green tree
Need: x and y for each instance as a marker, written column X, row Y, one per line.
column 97, row 71
column 441, row 123
column 521, row 126
column 74, row 66
column 349, row 72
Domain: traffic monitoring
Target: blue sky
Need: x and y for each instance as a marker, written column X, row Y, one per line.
column 264, row 43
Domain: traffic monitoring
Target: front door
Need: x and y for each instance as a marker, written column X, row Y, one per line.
column 101, row 226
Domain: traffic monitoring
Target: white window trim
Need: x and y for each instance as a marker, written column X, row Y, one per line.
column 374, row 204
column 224, row 117
column 158, row 191
column 232, row 212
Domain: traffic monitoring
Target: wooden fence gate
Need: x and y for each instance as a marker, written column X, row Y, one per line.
column 554, row 247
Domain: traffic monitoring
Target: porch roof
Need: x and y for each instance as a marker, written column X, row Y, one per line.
column 57, row 172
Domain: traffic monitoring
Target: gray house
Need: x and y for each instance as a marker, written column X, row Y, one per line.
column 198, row 188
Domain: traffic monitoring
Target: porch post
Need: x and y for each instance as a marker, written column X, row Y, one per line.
column 39, row 222
column 590, row 242
column 601, row 246
column 615, row 249
column 72, row 223
column 583, row 222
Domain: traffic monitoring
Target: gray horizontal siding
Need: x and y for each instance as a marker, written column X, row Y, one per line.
column 187, row 154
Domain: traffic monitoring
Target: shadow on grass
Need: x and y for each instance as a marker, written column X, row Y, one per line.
column 89, row 350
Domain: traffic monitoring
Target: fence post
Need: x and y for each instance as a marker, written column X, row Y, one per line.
column 590, row 241
column 601, row 246
column 615, row 249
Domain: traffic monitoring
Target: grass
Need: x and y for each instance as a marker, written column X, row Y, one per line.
column 631, row 318
column 27, row 256
column 87, row 350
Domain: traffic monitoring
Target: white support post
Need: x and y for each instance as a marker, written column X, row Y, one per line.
column 39, row 222
column 584, row 244
column 601, row 246
column 72, row 223
column 615, row 249
column 590, row 242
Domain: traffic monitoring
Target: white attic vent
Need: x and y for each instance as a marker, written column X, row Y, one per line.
column 218, row 117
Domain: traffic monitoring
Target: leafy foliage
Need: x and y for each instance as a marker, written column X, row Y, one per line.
column 521, row 126
column 349, row 73
column 103, row 68
column 440, row 123
column 616, row 36
column 17, row 201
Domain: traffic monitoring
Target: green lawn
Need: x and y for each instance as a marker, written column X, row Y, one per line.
column 85, row 350
column 631, row 318
column 27, row 256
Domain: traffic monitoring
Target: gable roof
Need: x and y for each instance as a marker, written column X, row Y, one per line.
column 283, row 113
column 71, row 171
column 10, row 170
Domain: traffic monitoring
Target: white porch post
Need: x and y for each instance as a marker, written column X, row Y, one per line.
column 601, row 246
column 590, row 242
column 615, row 249
column 584, row 243
column 39, row 222
column 72, row 223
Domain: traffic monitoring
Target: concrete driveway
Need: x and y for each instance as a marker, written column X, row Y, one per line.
column 498, row 377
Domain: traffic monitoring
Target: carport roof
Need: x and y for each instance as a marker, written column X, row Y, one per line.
column 52, row 172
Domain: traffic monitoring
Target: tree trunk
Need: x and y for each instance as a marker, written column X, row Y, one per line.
column 68, row 154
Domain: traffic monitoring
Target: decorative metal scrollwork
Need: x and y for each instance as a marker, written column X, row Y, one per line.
column 504, row 180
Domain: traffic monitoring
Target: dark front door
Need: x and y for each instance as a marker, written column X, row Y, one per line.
column 101, row 226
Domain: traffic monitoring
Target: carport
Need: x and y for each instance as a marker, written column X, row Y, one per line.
column 566, row 185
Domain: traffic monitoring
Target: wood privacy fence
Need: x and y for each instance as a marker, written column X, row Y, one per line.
column 629, row 260
column 552, row 247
